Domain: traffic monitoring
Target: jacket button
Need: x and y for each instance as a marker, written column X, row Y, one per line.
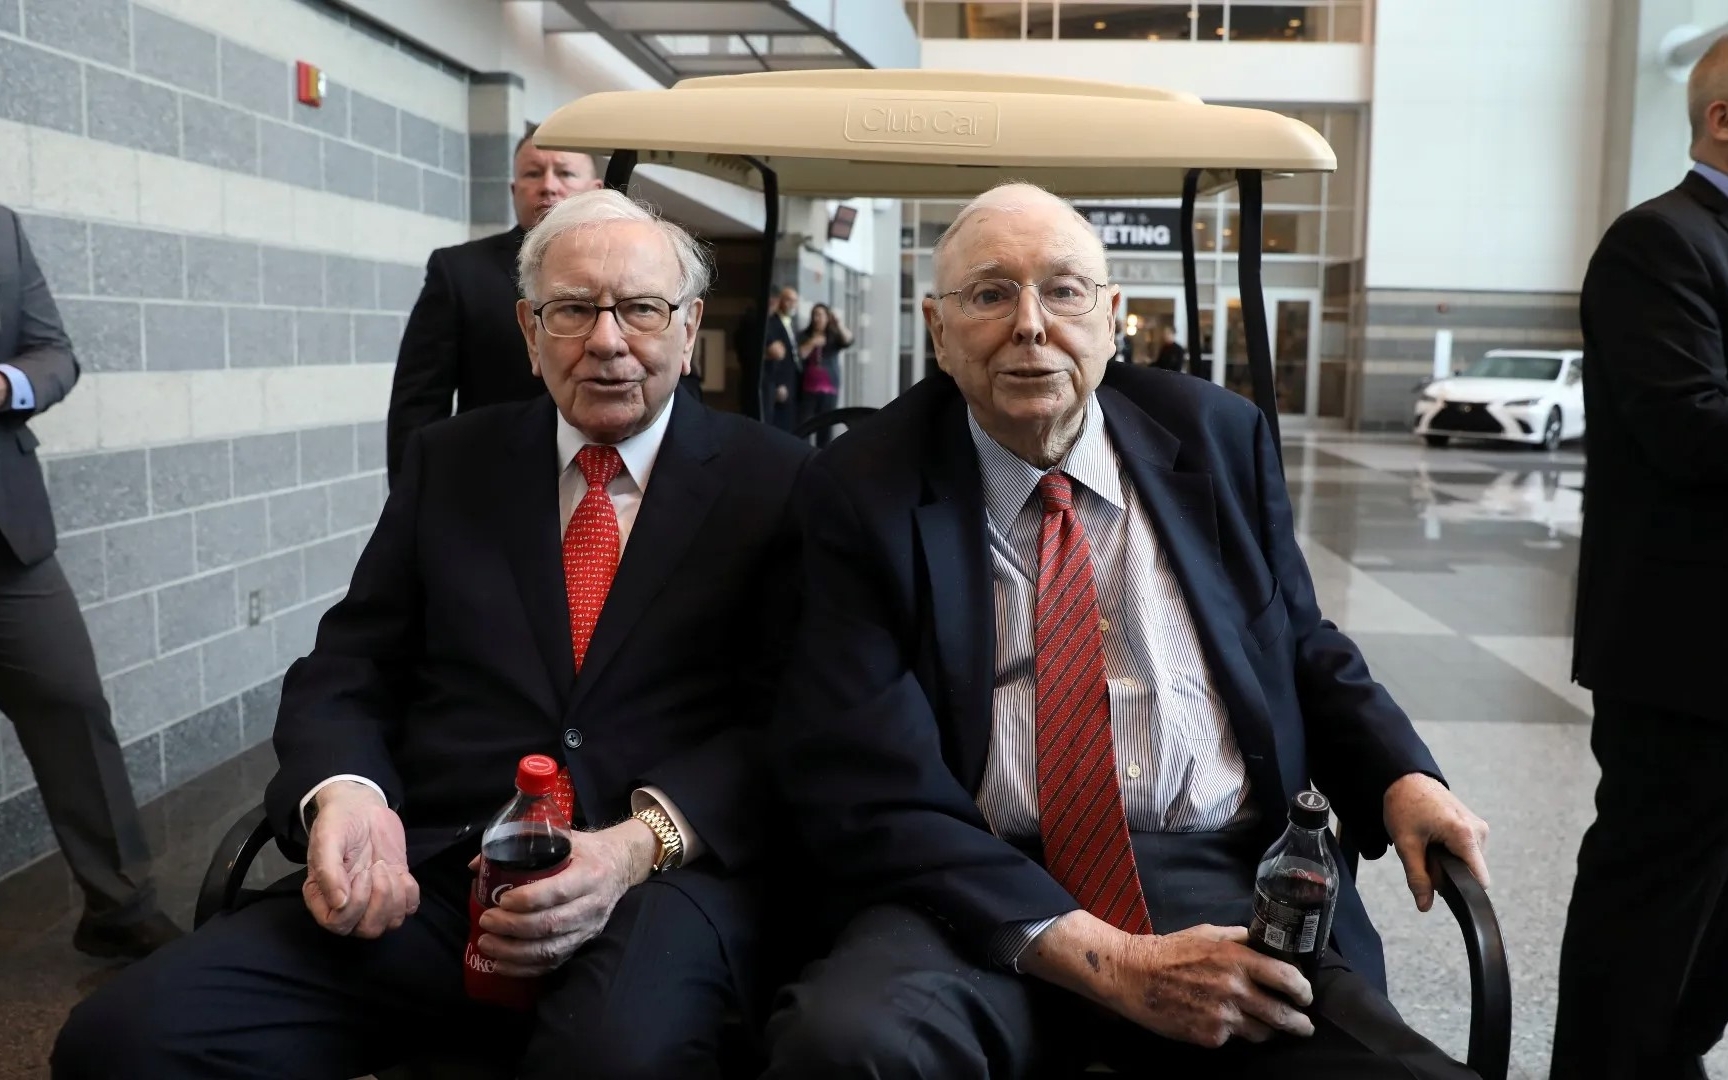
column 572, row 738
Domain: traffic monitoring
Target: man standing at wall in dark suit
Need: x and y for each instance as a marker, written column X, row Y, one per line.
column 49, row 686
column 600, row 575
column 1644, row 964
column 1060, row 674
column 461, row 340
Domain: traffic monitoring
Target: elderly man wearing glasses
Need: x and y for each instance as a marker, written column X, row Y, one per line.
column 1060, row 676
column 599, row 576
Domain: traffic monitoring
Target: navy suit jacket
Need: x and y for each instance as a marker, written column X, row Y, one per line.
column 885, row 725
column 450, row 657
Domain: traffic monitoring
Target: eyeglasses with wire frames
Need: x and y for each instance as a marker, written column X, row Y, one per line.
column 634, row 315
column 1066, row 295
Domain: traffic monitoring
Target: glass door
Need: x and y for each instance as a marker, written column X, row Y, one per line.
column 1149, row 323
column 1293, row 319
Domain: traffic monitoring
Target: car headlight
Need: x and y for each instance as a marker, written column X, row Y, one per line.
column 1522, row 403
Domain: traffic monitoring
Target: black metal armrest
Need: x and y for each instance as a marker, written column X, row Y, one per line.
column 850, row 415
column 227, row 870
column 1490, row 976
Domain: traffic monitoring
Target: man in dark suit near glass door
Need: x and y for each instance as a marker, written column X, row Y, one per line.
column 462, row 341
column 1644, row 963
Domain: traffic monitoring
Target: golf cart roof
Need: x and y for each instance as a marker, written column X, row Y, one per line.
column 1546, row 354
column 937, row 134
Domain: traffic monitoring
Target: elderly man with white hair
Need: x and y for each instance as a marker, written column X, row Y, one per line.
column 1061, row 674
column 598, row 576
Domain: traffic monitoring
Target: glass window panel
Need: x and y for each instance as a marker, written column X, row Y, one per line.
column 1117, row 22
column 989, row 19
column 1286, row 232
column 1334, row 335
column 1209, row 22
column 1278, row 273
column 933, row 219
column 1254, row 22
column 1344, row 133
column 1040, row 20
column 912, row 14
column 1341, row 232
column 1301, row 189
column 1348, row 22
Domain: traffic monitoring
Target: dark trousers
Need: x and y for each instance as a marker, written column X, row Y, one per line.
column 813, row 405
column 266, row 992
column 51, row 691
column 896, row 999
column 1644, row 963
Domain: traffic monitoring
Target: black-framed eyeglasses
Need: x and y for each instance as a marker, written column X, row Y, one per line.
column 634, row 315
column 1067, row 295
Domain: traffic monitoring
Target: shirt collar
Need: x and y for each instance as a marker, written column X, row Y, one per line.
column 639, row 451
column 1714, row 175
column 1010, row 479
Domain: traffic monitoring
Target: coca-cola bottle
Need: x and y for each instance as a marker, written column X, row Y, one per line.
column 1296, row 888
column 525, row 841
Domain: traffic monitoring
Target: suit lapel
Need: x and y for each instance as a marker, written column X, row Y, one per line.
column 951, row 536
column 528, row 523
column 680, row 493
column 1183, row 511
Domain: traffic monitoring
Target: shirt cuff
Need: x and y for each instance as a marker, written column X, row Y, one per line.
column 1012, row 941
column 644, row 798
column 23, row 396
column 310, row 795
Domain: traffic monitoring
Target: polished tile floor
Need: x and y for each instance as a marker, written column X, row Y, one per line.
column 1453, row 568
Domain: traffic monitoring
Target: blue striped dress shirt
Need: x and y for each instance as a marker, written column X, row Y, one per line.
column 1176, row 755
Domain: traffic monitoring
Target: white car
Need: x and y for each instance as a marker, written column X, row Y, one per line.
column 1513, row 395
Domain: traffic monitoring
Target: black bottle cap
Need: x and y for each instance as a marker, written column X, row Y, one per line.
column 1310, row 810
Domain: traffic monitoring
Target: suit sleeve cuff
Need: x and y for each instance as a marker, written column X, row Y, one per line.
column 644, row 798
column 1012, row 941
column 23, row 396
column 306, row 800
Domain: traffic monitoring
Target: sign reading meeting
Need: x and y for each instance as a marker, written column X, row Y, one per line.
column 1135, row 228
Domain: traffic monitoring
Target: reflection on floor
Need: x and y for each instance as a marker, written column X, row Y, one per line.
column 1453, row 568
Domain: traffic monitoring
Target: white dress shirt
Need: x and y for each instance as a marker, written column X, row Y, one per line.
column 638, row 452
column 1177, row 759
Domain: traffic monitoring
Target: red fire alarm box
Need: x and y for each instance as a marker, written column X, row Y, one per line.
column 309, row 84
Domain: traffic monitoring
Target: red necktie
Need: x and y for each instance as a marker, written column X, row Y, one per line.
column 1080, row 814
column 591, row 549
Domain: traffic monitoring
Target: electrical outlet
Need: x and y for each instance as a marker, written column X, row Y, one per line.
column 254, row 608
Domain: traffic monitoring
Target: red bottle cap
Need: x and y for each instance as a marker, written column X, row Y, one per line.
column 536, row 774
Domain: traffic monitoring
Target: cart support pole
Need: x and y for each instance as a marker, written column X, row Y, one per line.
column 1190, row 286
column 1254, row 303
column 618, row 170
column 756, row 404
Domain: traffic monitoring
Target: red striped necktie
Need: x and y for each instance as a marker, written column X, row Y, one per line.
column 592, row 545
column 1080, row 813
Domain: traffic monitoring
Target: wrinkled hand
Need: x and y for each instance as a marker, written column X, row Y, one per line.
column 1420, row 811
column 1202, row 985
column 537, row 927
column 781, row 394
column 776, row 350
column 357, row 879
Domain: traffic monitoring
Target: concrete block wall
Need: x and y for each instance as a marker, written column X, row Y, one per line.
column 234, row 269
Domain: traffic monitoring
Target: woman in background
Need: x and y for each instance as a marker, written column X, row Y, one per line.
column 819, row 347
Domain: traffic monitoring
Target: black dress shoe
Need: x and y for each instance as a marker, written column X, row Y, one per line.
column 133, row 940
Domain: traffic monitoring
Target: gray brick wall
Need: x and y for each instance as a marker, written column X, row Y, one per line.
column 130, row 75
column 203, row 567
column 200, row 589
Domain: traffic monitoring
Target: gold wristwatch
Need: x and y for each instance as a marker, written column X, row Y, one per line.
column 671, row 854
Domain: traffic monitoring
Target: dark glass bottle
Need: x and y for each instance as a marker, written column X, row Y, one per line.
column 1296, row 888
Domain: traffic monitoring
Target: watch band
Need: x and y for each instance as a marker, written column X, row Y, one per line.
column 671, row 842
